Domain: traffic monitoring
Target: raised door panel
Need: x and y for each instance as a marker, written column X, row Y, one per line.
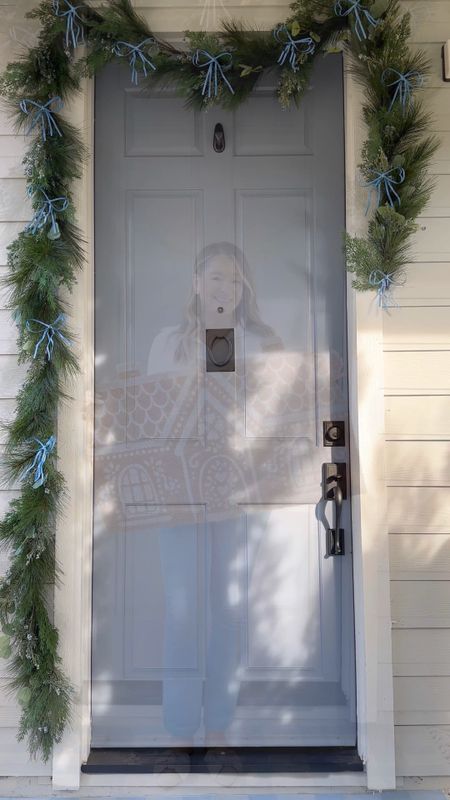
column 156, row 126
column 288, row 136
column 164, row 389
column 279, row 379
column 163, row 590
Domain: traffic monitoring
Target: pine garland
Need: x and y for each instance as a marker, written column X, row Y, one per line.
column 210, row 69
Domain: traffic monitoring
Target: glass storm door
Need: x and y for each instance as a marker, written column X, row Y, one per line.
column 220, row 350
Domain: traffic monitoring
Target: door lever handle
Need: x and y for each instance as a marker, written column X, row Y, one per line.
column 334, row 474
column 336, row 494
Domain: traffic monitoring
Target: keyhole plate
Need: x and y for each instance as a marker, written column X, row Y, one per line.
column 220, row 350
column 333, row 434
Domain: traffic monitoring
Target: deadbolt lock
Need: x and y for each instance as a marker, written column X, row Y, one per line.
column 333, row 434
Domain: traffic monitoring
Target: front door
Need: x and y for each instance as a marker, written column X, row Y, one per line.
column 218, row 617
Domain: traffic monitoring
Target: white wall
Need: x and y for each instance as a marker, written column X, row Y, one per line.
column 417, row 402
column 417, row 389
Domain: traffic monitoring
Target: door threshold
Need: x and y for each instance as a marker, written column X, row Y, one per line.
column 213, row 760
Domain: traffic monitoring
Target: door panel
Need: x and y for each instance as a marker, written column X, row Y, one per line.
column 286, row 564
column 275, row 381
column 285, row 134
column 220, row 348
column 150, row 217
column 146, row 650
column 161, row 128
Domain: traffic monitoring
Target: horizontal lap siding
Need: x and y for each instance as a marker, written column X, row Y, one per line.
column 417, row 394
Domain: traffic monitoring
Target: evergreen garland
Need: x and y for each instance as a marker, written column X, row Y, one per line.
column 211, row 68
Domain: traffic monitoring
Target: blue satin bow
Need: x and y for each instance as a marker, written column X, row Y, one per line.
column 214, row 70
column 43, row 115
column 74, row 30
column 42, row 453
column 292, row 46
column 386, row 181
column 46, row 213
column 355, row 7
column 133, row 52
column 384, row 282
column 50, row 330
column 404, row 84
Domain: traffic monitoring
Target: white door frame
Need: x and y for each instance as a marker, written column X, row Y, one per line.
column 375, row 718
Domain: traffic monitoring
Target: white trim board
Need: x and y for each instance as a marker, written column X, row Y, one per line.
column 370, row 534
column 232, row 783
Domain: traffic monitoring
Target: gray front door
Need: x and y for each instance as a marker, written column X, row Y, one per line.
column 220, row 350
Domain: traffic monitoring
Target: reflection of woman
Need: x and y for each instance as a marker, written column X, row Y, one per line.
column 222, row 296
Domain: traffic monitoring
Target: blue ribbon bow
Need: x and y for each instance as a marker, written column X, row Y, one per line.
column 404, row 84
column 37, row 465
column 43, row 115
column 355, row 7
column 133, row 52
column 46, row 213
column 384, row 282
column 214, row 70
column 74, row 30
column 385, row 181
column 50, row 331
column 306, row 45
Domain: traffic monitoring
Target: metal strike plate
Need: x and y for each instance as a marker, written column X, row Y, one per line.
column 330, row 477
column 333, row 434
column 220, row 350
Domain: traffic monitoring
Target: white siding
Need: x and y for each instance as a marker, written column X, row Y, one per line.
column 417, row 389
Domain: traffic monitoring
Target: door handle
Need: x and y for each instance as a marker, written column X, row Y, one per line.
column 219, row 138
column 334, row 490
